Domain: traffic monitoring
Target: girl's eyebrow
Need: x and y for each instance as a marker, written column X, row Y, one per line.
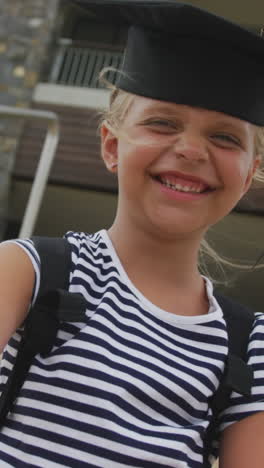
column 163, row 109
column 232, row 126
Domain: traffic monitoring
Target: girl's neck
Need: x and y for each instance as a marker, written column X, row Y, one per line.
column 160, row 257
column 165, row 272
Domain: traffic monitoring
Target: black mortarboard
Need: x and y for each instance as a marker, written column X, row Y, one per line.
column 179, row 53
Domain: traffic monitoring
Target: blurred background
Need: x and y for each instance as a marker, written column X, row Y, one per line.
column 50, row 57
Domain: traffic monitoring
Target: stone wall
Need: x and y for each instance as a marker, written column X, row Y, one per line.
column 27, row 29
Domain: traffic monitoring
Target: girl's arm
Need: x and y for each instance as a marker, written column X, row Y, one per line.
column 242, row 444
column 17, row 278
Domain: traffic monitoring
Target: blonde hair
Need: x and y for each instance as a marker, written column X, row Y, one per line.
column 259, row 151
column 120, row 102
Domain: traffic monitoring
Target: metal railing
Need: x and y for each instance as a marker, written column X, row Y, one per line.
column 45, row 161
column 80, row 66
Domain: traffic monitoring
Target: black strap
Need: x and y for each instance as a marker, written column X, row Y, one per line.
column 238, row 376
column 55, row 257
column 54, row 304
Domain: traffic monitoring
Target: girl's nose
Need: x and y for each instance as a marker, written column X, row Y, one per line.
column 191, row 146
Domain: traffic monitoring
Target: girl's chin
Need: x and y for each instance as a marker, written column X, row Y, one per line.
column 182, row 229
column 182, row 221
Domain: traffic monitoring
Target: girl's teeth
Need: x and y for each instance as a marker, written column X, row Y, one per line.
column 181, row 188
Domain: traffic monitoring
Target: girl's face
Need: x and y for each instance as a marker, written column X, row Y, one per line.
column 180, row 168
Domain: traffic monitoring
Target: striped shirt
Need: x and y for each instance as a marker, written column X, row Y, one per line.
column 130, row 386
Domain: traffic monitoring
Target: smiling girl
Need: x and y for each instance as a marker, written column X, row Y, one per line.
column 180, row 170
column 132, row 385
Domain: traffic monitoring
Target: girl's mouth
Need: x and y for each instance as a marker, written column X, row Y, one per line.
column 178, row 184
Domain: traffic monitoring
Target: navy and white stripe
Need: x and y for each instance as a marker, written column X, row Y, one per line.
column 130, row 386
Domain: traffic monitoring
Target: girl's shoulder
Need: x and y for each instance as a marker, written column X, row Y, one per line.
column 84, row 248
column 257, row 334
column 78, row 240
column 85, row 241
column 241, row 406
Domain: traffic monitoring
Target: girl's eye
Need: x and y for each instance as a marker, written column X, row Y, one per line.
column 227, row 139
column 161, row 124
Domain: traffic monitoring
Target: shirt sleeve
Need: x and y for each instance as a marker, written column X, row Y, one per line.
column 28, row 246
column 240, row 406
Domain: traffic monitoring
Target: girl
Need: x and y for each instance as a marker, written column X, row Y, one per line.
column 131, row 385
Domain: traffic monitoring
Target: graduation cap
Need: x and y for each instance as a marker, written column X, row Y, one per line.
column 179, row 53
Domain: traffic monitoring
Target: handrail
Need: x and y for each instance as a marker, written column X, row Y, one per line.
column 45, row 161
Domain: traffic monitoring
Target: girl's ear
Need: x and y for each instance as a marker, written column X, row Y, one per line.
column 109, row 147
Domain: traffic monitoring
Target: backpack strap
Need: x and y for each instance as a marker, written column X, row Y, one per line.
column 238, row 375
column 54, row 304
column 55, row 259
